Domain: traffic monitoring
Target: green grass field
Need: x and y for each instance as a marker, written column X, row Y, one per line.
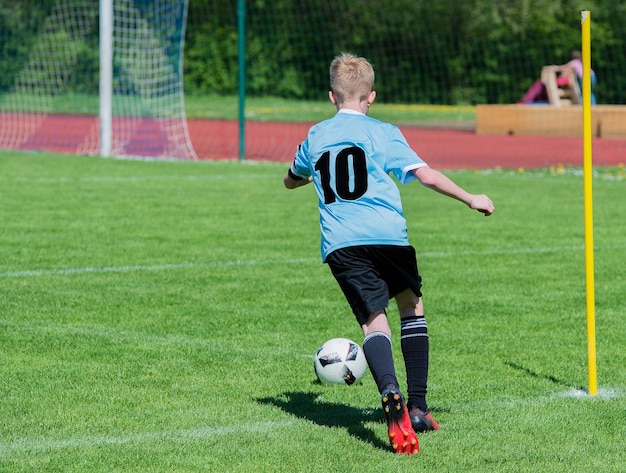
column 160, row 316
column 284, row 110
column 265, row 109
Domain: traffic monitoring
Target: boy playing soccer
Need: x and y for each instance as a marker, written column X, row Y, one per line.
column 364, row 236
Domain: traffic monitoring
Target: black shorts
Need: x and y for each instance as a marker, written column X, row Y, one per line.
column 371, row 275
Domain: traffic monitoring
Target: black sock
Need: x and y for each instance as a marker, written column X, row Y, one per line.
column 377, row 349
column 415, row 346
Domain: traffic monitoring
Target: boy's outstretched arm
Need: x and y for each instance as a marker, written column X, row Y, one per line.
column 439, row 182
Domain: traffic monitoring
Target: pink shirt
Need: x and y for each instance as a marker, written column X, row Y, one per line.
column 577, row 65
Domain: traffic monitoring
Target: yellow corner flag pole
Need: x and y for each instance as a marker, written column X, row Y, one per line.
column 587, row 172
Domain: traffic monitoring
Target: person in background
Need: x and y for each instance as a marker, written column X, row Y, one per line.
column 538, row 94
column 576, row 66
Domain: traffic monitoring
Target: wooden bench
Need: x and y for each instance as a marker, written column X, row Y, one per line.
column 607, row 121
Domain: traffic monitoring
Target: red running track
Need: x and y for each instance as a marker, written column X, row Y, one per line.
column 271, row 141
column 451, row 149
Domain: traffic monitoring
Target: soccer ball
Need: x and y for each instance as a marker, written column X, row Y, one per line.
column 340, row 361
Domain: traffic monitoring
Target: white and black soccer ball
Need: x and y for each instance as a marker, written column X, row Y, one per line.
column 340, row 361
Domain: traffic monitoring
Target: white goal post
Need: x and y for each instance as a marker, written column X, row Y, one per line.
column 130, row 104
column 106, row 77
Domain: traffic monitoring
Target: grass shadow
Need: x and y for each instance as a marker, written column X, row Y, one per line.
column 306, row 405
column 547, row 377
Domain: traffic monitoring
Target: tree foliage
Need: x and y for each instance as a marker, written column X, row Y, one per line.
column 442, row 52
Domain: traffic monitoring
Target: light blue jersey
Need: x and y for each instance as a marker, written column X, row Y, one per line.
column 350, row 157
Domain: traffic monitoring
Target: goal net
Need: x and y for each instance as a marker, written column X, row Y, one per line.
column 53, row 98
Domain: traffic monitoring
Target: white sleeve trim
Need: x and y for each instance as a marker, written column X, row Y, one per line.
column 407, row 172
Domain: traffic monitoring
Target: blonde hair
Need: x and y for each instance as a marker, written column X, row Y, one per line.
column 351, row 77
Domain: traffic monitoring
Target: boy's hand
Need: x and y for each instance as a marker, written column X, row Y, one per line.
column 483, row 204
column 291, row 183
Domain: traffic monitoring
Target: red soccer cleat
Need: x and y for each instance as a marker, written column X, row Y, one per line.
column 399, row 429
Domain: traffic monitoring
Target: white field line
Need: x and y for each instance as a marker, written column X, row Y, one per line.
column 143, row 340
column 107, row 179
column 151, row 267
column 605, row 393
column 229, row 263
column 44, row 444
